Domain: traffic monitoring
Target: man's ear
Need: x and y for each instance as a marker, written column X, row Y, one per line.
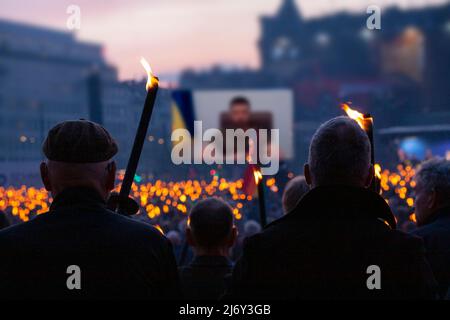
column 45, row 176
column 233, row 237
column 433, row 200
column 189, row 237
column 111, row 176
column 307, row 173
column 370, row 177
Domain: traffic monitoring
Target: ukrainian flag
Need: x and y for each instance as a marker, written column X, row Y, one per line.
column 182, row 110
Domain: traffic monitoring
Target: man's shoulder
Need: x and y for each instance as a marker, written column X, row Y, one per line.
column 122, row 225
column 436, row 234
column 132, row 229
column 132, row 223
column 404, row 242
column 269, row 234
column 389, row 239
column 18, row 229
column 441, row 226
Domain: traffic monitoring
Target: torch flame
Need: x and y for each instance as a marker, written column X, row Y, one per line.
column 158, row 227
column 377, row 168
column 258, row 176
column 151, row 79
column 354, row 114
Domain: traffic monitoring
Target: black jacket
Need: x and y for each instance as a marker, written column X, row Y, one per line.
column 323, row 248
column 118, row 257
column 205, row 278
column 436, row 236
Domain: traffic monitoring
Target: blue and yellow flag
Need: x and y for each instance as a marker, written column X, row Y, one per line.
column 182, row 109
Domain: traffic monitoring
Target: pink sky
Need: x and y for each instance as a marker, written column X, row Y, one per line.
column 174, row 34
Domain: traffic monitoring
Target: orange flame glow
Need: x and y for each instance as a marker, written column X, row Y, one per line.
column 354, row 114
column 157, row 226
column 258, row 176
column 377, row 168
column 151, row 79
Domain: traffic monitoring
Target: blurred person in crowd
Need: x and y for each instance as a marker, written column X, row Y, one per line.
column 4, row 222
column 240, row 117
column 295, row 189
column 240, row 113
column 211, row 234
column 251, row 227
column 174, row 237
column 176, row 241
column 340, row 233
column 432, row 204
column 80, row 249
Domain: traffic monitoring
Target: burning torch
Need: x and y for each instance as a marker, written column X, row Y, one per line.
column 125, row 203
column 365, row 121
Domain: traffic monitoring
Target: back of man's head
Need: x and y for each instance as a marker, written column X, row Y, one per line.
column 432, row 191
column 339, row 154
column 79, row 154
column 211, row 225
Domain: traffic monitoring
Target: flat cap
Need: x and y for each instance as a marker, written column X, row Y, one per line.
column 79, row 141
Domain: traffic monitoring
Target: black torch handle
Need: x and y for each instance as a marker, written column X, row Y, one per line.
column 372, row 145
column 262, row 202
column 375, row 185
column 135, row 154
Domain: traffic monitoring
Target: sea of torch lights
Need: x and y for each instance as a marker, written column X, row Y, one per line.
column 155, row 198
column 161, row 197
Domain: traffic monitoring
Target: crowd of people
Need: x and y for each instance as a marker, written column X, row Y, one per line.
column 333, row 229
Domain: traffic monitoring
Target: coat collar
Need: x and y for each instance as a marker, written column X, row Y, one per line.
column 211, row 261
column 77, row 196
column 344, row 202
column 441, row 214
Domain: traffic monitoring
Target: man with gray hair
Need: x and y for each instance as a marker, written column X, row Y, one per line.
column 340, row 240
column 432, row 205
column 80, row 249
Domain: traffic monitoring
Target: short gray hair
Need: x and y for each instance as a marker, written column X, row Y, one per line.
column 434, row 175
column 339, row 153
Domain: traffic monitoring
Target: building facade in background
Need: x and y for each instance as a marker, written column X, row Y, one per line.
column 402, row 69
column 47, row 76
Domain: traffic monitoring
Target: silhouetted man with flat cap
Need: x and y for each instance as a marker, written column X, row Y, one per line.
column 80, row 249
column 339, row 242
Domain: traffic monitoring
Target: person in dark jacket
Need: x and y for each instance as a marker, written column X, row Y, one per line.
column 340, row 241
column 80, row 249
column 211, row 233
column 432, row 205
